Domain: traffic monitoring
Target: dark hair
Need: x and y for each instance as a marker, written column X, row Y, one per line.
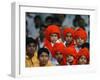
column 30, row 40
column 41, row 50
column 87, row 45
column 37, row 17
column 49, row 18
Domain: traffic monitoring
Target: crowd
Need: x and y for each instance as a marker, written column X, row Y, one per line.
column 56, row 39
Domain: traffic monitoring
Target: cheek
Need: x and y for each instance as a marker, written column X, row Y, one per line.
column 41, row 58
column 58, row 57
column 70, row 58
column 82, row 60
column 54, row 38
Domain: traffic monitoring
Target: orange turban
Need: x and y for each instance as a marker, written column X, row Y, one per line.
column 58, row 47
column 68, row 30
column 52, row 29
column 80, row 33
column 71, row 51
column 85, row 52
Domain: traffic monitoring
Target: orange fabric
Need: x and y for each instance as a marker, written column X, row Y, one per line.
column 80, row 33
column 33, row 62
column 48, row 45
column 71, row 51
column 51, row 29
column 59, row 47
column 68, row 30
column 83, row 51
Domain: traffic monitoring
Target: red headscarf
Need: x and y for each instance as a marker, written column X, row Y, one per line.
column 80, row 33
column 71, row 51
column 85, row 52
column 59, row 47
column 68, row 30
column 52, row 29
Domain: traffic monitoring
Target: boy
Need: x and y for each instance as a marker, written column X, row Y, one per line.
column 43, row 56
column 52, row 36
column 58, row 53
column 68, row 34
column 83, row 56
column 70, row 56
column 80, row 36
column 31, row 53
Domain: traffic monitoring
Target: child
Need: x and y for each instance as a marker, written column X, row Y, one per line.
column 80, row 36
column 58, row 54
column 31, row 53
column 52, row 36
column 68, row 34
column 83, row 56
column 70, row 56
column 43, row 56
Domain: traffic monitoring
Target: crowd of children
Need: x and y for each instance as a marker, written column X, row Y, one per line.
column 60, row 46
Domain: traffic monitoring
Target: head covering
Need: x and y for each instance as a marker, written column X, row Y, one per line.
column 80, row 33
column 71, row 51
column 83, row 52
column 68, row 30
column 59, row 47
column 52, row 29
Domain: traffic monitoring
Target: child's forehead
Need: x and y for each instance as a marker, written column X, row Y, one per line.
column 32, row 44
column 44, row 53
column 53, row 33
column 58, row 52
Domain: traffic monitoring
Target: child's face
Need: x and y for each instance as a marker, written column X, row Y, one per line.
column 54, row 38
column 80, row 41
column 31, row 48
column 43, row 58
column 69, row 58
column 82, row 60
column 59, row 56
column 69, row 38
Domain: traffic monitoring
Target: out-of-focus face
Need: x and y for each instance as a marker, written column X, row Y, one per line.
column 69, row 38
column 59, row 56
column 82, row 60
column 37, row 21
column 43, row 58
column 31, row 48
column 53, row 38
column 80, row 41
column 69, row 58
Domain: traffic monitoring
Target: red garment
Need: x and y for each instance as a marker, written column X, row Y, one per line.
column 69, row 30
column 51, row 29
column 59, row 47
column 80, row 33
column 71, row 51
column 85, row 52
column 48, row 45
